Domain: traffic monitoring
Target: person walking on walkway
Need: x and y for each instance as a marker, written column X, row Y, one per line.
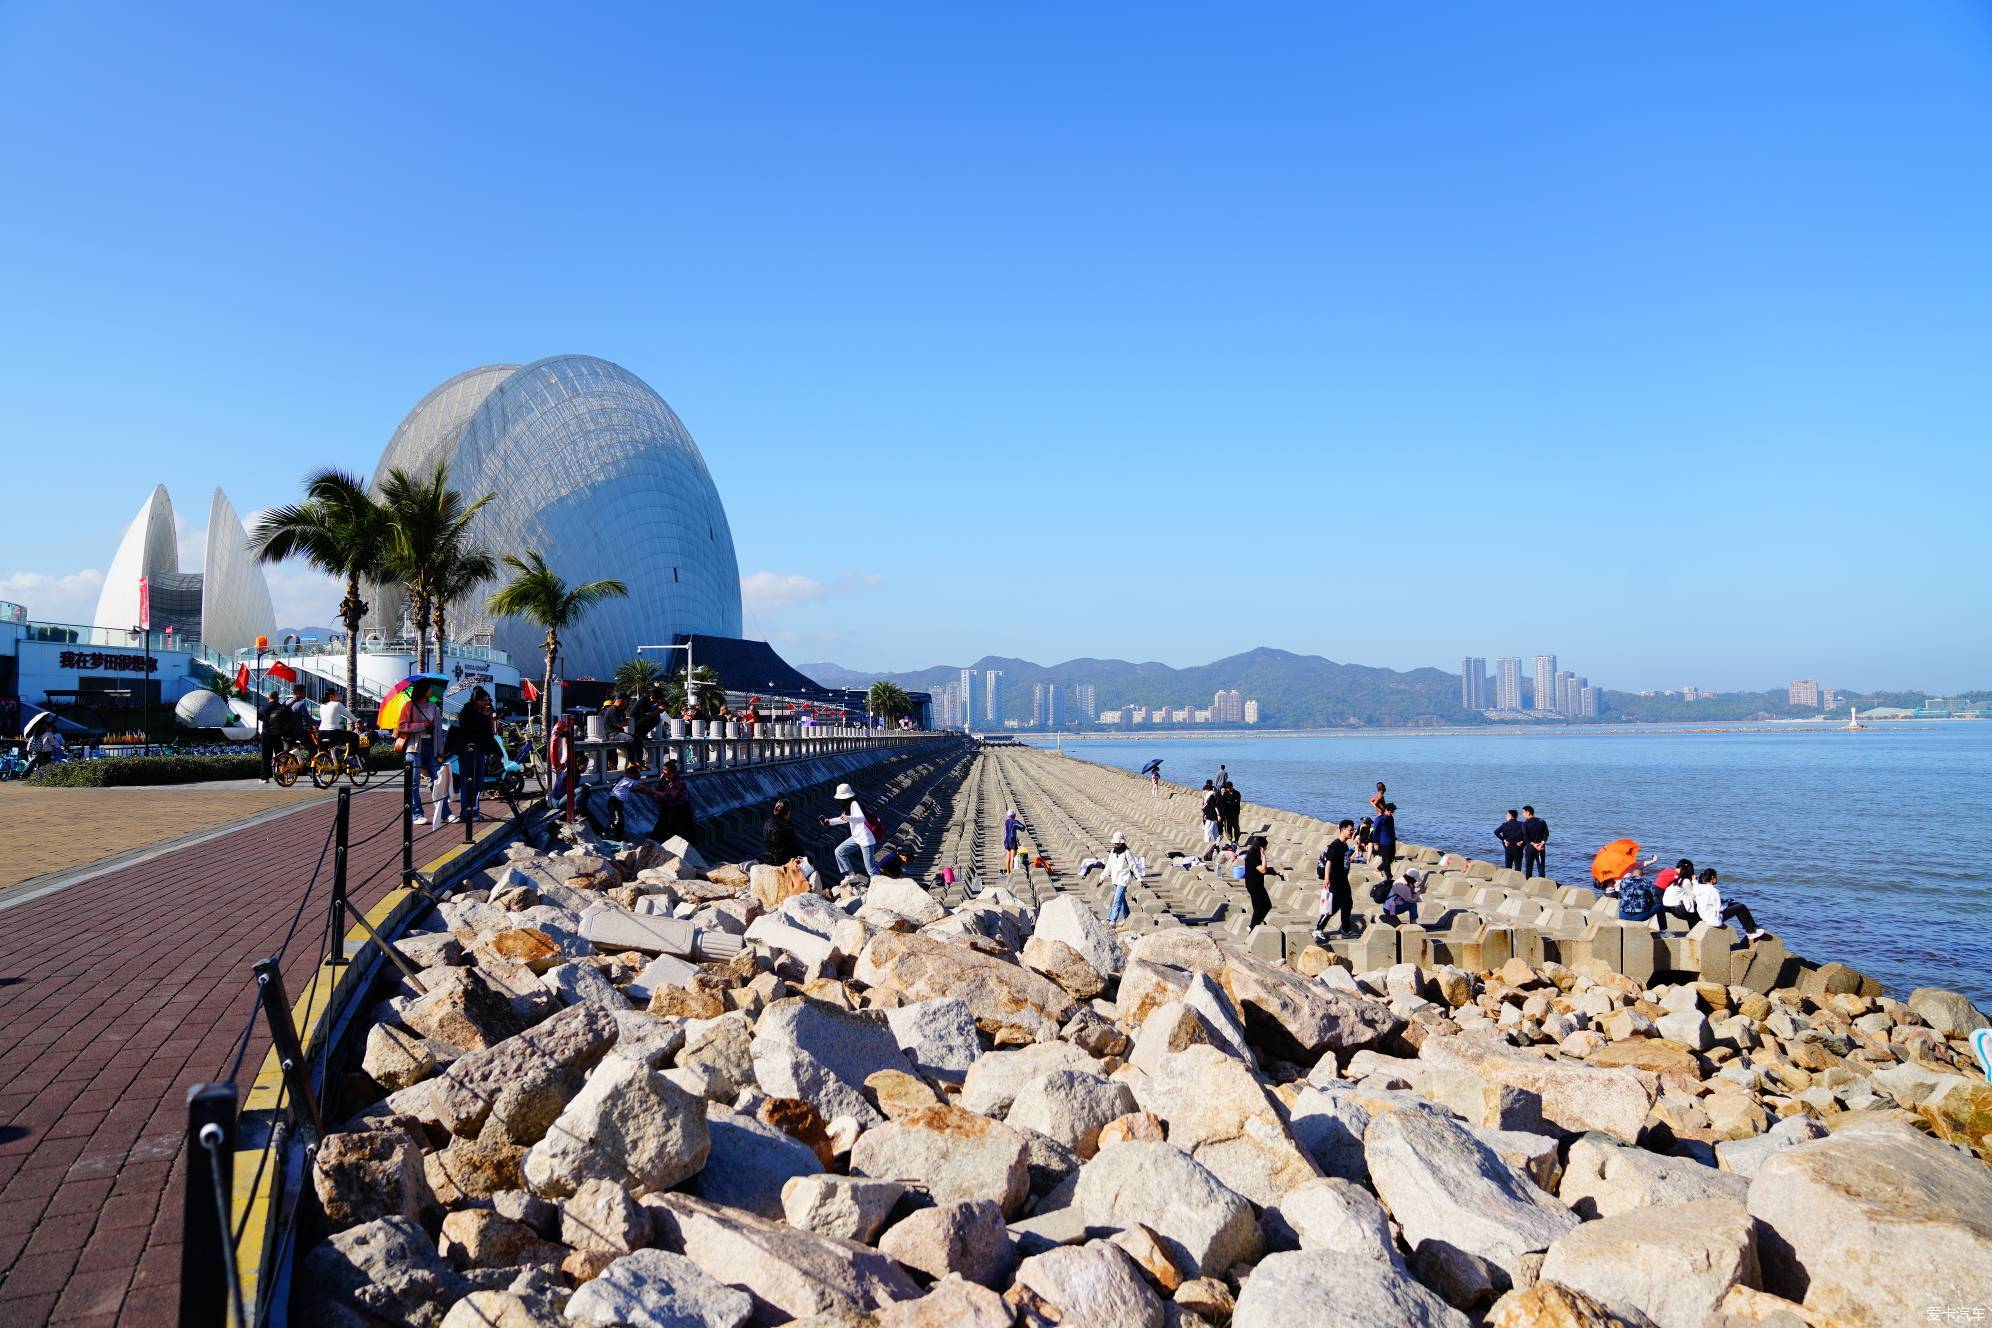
column 857, row 849
column 476, row 737
column 415, row 735
column 1335, row 898
column 1012, row 823
column 1386, row 837
column 1535, row 843
column 1511, row 835
column 1123, row 870
column 1256, row 872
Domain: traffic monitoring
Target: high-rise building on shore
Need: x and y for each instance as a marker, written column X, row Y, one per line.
column 968, row 711
column 1803, row 692
column 1228, row 707
column 1085, row 701
column 992, row 698
column 1045, row 712
column 1545, row 682
column 1829, row 698
column 1252, row 711
column 1508, row 683
column 1472, row 683
column 1565, row 693
column 1587, row 702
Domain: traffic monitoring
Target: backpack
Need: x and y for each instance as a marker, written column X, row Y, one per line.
column 871, row 824
column 1637, row 901
column 1379, row 892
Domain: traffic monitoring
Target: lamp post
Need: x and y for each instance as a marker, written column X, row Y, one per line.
column 256, row 697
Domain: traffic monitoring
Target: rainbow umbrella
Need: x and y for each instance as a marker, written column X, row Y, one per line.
column 1614, row 860
column 408, row 689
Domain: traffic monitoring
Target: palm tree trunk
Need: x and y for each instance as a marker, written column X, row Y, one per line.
column 441, row 618
column 419, row 600
column 352, row 612
column 546, row 686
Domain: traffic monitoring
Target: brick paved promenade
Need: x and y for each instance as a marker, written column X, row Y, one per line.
column 116, row 994
column 45, row 830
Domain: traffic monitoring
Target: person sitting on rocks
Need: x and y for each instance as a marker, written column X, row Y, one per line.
column 1677, row 894
column 1405, row 892
column 1712, row 907
column 780, row 844
column 1637, row 871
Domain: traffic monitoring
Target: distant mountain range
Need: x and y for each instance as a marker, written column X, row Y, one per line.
column 1305, row 691
column 1293, row 691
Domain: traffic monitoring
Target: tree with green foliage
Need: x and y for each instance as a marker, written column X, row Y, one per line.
column 459, row 571
column 889, row 700
column 538, row 594
column 637, row 676
column 340, row 529
column 708, row 698
column 429, row 531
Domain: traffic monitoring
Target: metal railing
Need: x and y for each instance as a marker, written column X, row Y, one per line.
column 710, row 745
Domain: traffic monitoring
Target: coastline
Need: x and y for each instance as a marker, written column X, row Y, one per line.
column 1462, row 730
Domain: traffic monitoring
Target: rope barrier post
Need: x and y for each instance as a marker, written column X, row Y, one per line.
column 207, row 1251
column 290, row 1053
column 466, row 798
column 342, row 821
column 407, row 822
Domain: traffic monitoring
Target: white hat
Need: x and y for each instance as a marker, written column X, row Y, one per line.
column 845, row 793
column 1120, row 838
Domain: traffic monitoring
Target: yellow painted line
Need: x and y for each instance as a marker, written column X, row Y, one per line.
column 314, row 1012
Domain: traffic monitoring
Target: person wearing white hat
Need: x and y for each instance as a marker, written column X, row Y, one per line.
column 858, row 848
column 1123, row 869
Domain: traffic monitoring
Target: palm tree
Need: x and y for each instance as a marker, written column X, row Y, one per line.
column 458, row 571
column 889, row 700
column 431, row 522
column 340, row 529
column 708, row 698
column 537, row 594
column 638, row 676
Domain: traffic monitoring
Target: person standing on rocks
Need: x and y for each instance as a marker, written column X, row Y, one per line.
column 1223, row 777
column 1213, row 817
column 1256, row 872
column 1230, row 804
column 1377, row 799
column 1012, row 823
column 1535, row 843
column 1512, row 837
column 1335, row 898
column 856, row 850
column 1123, row 870
column 1386, row 837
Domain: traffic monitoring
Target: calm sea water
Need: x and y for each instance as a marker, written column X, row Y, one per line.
column 1871, row 848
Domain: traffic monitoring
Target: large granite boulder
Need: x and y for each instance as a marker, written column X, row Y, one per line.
column 1296, row 1018
column 1218, row 1111
column 1441, row 1183
column 1206, row 1225
column 1575, row 1097
column 920, row 968
column 658, row 1289
column 387, row 1270
column 1095, row 1284
column 1071, row 1107
column 1875, row 1224
column 628, row 1124
column 954, row 1154
column 523, row 1080
column 1070, row 919
column 1671, row 1262
column 992, row 1083
column 751, row 1163
column 812, row 1050
column 1602, row 1178
column 1329, row 1289
column 790, row 1274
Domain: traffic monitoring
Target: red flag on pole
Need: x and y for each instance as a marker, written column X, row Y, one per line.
column 241, row 677
column 282, row 672
column 527, row 690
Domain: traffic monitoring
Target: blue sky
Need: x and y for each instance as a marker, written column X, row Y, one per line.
column 1653, row 338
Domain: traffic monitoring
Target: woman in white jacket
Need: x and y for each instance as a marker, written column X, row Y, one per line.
column 859, row 846
column 1123, row 869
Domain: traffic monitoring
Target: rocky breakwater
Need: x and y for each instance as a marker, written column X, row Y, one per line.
column 636, row 1089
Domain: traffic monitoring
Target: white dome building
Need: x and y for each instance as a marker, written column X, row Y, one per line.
column 590, row 467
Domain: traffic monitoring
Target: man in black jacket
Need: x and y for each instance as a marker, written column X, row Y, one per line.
column 1535, row 844
column 1511, row 835
column 780, row 844
column 272, row 721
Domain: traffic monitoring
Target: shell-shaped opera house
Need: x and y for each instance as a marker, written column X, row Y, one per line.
column 224, row 606
column 588, row 466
